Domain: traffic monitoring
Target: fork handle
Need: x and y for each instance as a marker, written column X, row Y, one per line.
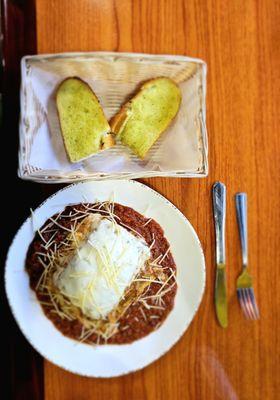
column 241, row 212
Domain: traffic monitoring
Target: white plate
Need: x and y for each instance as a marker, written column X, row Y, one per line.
column 108, row 360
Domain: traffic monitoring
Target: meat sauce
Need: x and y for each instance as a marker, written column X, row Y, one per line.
column 138, row 321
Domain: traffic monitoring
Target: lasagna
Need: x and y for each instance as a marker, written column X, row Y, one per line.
column 103, row 273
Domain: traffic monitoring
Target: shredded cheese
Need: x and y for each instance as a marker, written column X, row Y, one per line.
column 58, row 255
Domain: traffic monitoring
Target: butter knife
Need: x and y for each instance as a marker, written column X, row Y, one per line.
column 219, row 209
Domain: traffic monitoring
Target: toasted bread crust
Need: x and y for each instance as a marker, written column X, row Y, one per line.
column 118, row 119
column 108, row 141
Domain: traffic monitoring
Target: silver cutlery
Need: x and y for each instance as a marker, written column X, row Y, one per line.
column 245, row 289
column 219, row 209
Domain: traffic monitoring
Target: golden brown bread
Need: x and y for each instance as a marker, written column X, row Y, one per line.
column 84, row 127
column 141, row 121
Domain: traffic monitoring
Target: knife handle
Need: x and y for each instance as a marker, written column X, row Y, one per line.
column 241, row 211
column 219, row 209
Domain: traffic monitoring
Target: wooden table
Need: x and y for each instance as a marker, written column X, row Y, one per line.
column 240, row 41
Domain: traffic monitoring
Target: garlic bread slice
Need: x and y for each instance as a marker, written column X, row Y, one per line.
column 84, row 127
column 142, row 120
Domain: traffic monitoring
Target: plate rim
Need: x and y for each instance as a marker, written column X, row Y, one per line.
column 176, row 338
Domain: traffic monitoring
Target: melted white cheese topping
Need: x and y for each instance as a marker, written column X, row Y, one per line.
column 103, row 267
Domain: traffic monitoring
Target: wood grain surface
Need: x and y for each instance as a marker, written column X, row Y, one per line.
column 239, row 40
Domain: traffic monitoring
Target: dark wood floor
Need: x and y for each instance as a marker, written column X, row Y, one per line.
column 22, row 373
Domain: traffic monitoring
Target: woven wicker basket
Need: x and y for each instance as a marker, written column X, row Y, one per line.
column 181, row 151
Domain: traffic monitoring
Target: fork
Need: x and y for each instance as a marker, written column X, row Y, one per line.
column 245, row 291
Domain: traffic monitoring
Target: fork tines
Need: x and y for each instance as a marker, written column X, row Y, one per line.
column 248, row 303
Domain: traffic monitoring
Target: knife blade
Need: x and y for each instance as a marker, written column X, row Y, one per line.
column 219, row 210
